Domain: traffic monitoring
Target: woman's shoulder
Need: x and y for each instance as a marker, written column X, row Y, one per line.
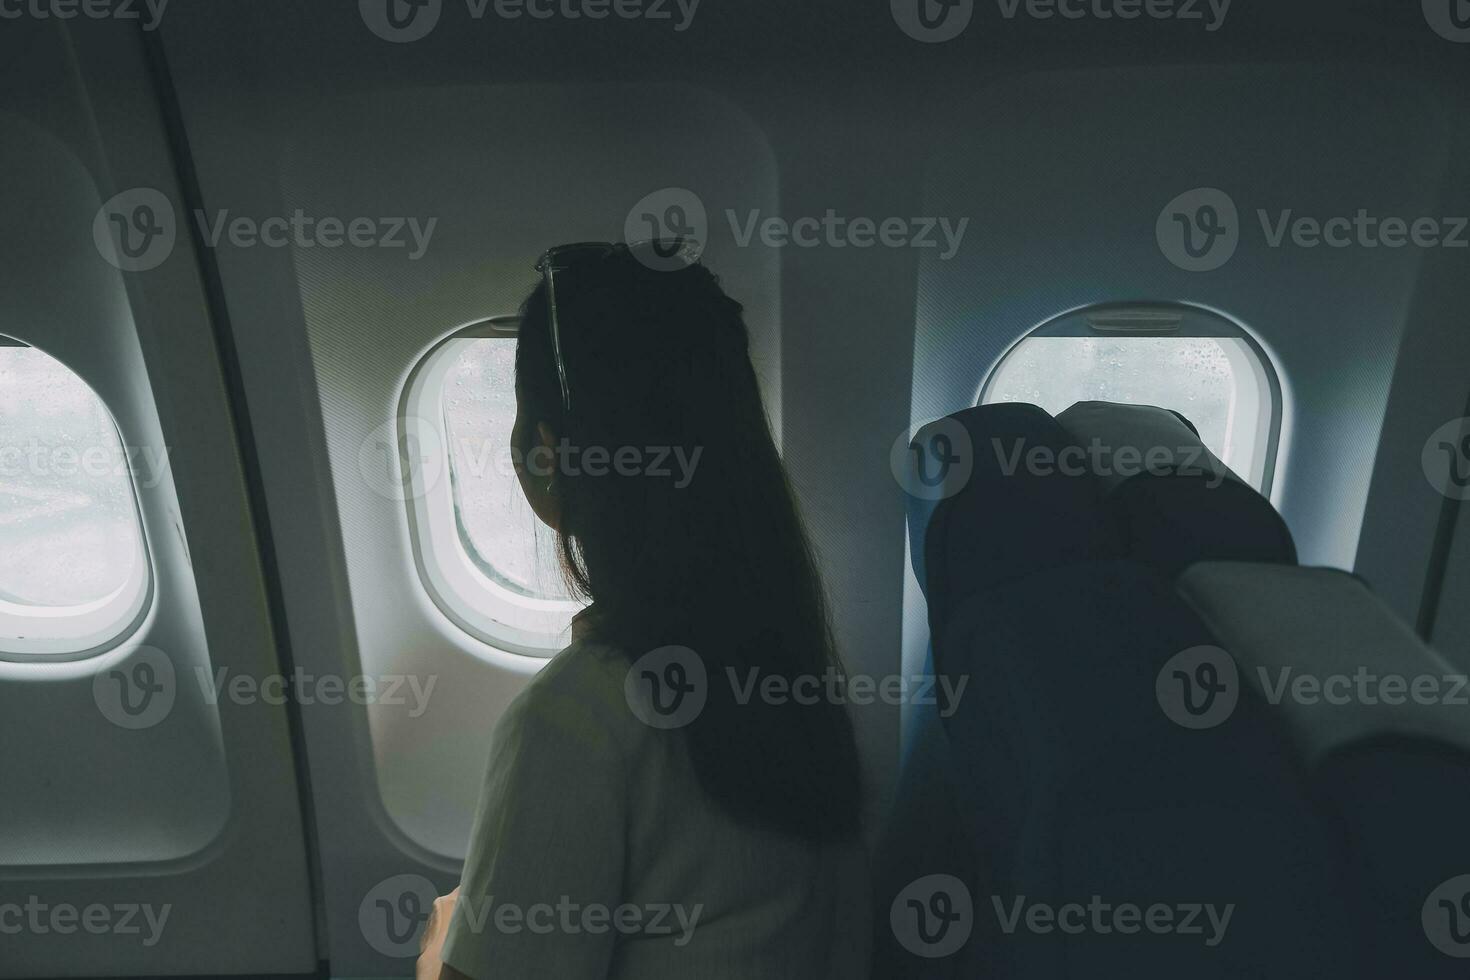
column 580, row 694
column 586, row 667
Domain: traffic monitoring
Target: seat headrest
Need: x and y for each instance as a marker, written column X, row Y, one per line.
column 1014, row 513
column 1336, row 662
column 1016, row 491
column 1172, row 501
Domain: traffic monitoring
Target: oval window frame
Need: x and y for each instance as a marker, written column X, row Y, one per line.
column 1161, row 318
column 67, row 634
column 490, row 612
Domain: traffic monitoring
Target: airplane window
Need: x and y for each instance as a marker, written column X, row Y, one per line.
column 489, row 565
column 1223, row 384
column 74, row 573
column 497, row 529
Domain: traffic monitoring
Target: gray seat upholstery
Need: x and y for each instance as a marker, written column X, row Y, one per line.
column 1058, row 777
column 1172, row 501
column 1380, row 724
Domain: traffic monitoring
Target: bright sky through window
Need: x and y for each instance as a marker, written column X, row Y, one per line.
column 1208, row 380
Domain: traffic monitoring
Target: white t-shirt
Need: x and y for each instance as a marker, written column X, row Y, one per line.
column 595, row 853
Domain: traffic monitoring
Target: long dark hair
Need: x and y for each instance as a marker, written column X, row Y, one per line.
column 659, row 360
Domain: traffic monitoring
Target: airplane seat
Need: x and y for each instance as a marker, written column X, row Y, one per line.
column 924, row 835
column 1070, row 780
column 1378, row 721
column 928, row 830
column 957, row 545
column 1172, row 500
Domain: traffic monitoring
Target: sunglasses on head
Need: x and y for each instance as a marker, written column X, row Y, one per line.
column 662, row 254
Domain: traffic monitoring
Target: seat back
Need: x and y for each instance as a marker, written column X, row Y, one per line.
column 1071, row 780
column 1172, row 501
column 1381, row 724
column 957, row 553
